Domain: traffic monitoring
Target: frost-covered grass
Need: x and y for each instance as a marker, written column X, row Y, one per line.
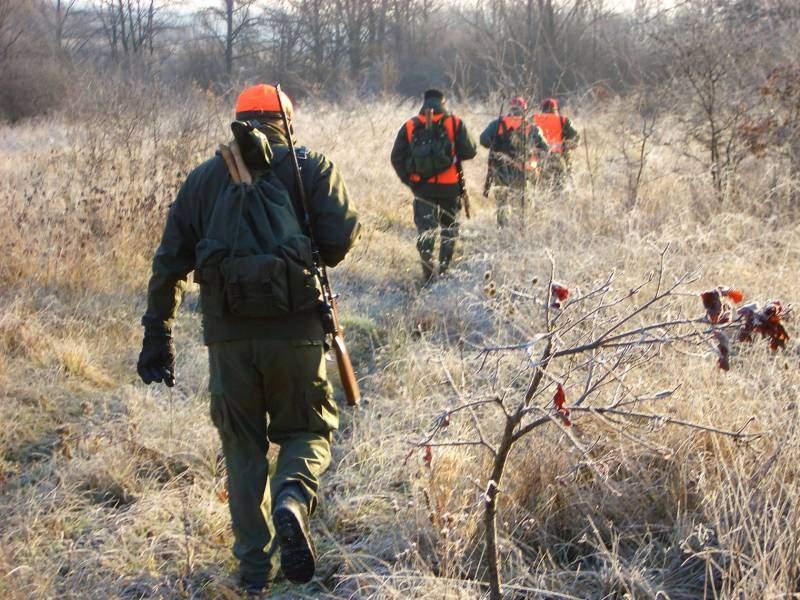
column 109, row 488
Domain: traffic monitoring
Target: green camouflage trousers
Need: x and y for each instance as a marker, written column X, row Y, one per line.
column 554, row 172
column 510, row 201
column 430, row 217
column 266, row 391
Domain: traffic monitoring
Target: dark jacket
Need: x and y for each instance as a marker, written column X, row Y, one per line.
column 507, row 161
column 333, row 220
column 465, row 149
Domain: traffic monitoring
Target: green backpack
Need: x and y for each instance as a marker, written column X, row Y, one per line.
column 431, row 148
column 511, row 140
column 255, row 260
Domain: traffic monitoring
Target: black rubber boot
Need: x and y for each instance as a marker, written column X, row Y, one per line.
column 253, row 589
column 290, row 517
column 427, row 273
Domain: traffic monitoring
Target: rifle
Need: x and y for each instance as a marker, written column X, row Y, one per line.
column 330, row 315
column 463, row 187
column 487, row 185
column 526, row 161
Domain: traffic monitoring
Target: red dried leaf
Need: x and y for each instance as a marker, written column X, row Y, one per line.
column 735, row 296
column 773, row 310
column 560, row 291
column 559, row 399
column 748, row 313
column 559, row 294
column 724, row 349
column 716, row 311
column 428, row 456
column 713, row 304
column 222, row 495
column 779, row 339
column 766, row 322
column 775, row 332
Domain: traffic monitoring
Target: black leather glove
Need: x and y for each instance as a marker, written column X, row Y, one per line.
column 157, row 359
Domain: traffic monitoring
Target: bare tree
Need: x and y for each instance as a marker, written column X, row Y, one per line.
column 229, row 24
column 11, row 28
column 57, row 15
column 130, row 26
column 551, row 46
column 636, row 132
column 317, row 23
column 719, row 54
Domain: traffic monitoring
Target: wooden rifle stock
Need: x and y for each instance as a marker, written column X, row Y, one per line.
column 346, row 373
column 332, row 325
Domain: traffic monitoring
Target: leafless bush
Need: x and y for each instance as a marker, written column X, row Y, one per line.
column 591, row 349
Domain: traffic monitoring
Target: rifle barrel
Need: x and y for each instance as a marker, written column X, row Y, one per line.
column 345, row 365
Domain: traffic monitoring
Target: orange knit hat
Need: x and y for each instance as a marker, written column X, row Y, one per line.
column 259, row 99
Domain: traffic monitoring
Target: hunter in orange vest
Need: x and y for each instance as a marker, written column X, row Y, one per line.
column 513, row 156
column 427, row 156
column 562, row 138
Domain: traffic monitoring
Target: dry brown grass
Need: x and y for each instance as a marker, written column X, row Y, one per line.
column 104, row 494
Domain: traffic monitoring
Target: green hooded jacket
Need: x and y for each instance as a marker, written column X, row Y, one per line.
column 465, row 150
column 333, row 220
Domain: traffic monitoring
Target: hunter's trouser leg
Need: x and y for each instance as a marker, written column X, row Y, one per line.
column 553, row 173
column 501, row 197
column 426, row 218
column 302, row 413
column 238, row 410
column 448, row 219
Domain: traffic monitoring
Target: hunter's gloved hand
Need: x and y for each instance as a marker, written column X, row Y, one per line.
column 157, row 359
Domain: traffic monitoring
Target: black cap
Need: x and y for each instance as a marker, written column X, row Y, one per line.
column 434, row 94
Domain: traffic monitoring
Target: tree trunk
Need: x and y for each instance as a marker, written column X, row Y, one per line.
column 490, row 510
column 229, row 39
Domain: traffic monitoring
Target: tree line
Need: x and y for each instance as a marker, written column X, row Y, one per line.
column 341, row 47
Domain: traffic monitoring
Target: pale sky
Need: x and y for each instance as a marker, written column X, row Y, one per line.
column 617, row 5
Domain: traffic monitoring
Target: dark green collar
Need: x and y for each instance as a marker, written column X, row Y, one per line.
column 436, row 105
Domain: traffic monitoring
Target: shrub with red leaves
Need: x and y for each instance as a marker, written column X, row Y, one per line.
column 765, row 321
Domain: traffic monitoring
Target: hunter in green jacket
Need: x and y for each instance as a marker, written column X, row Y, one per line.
column 427, row 156
column 515, row 144
column 268, row 381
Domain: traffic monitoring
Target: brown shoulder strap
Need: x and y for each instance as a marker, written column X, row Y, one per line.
column 230, row 162
column 241, row 166
column 232, row 155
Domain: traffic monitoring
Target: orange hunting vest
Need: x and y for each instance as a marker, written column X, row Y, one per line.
column 553, row 127
column 511, row 123
column 450, row 176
